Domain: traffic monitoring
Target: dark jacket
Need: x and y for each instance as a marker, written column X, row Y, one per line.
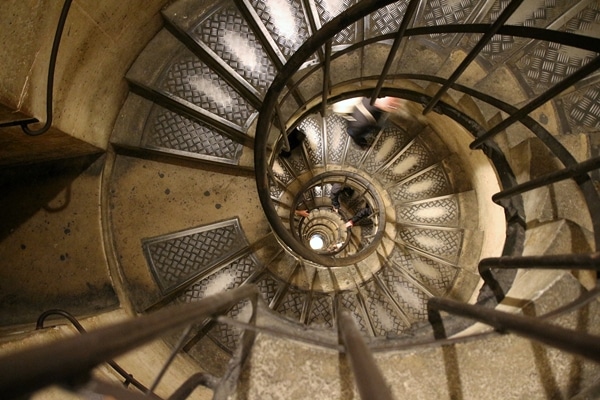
column 364, row 122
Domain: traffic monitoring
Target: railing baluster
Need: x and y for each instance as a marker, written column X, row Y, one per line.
column 129, row 379
column 539, row 101
column 62, row 361
column 548, row 179
column 408, row 15
column 326, row 78
column 575, row 342
column 369, row 380
column 496, row 26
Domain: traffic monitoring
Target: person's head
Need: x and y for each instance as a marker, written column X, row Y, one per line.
column 347, row 191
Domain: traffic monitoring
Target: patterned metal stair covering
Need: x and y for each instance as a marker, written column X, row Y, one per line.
column 228, row 35
column 428, row 236
column 170, row 132
column 190, row 79
column 285, row 20
column 423, row 263
column 196, row 263
column 181, row 257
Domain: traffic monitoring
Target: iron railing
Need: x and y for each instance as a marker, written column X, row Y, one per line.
column 51, row 68
column 276, row 96
column 70, row 360
column 129, row 379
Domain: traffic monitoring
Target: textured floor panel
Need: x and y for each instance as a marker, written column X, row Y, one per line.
column 178, row 257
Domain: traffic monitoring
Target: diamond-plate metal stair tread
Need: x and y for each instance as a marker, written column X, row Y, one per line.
column 410, row 297
column 230, row 37
column 374, row 310
column 173, row 135
column 383, row 314
column 530, row 14
column 387, row 19
column 582, row 107
column 189, row 78
column 539, row 64
column 226, row 33
column 292, row 303
column 321, row 311
column 350, row 302
column 433, row 276
column 442, row 243
column 292, row 11
column 176, row 258
column 389, row 143
column 314, row 141
column 413, row 158
column 438, row 12
column 441, row 211
column 173, row 132
column 430, row 182
column 230, row 276
column 327, row 10
column 337, row 139
column 282, row 172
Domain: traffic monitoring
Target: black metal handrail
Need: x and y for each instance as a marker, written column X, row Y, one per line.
column 51, row 68
column 354, row 13
column 270, row 104
column 69, row 360
column 375, row 201
column 563, row 38
column 575, row 342
column 368, row 378
column 559, row 261
column 129, row 379
column 554, row 91
column 481, row 43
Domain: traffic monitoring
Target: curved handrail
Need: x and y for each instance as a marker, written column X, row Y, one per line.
column 563, row 38
column 128, row 377
column 322, row 36
column 51, row 67
column 378, row 207
column 347, row 17
column 72, row 357
column 581, row 343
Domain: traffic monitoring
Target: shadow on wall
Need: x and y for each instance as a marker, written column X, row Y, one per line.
column 50, row 240
column 26, row 189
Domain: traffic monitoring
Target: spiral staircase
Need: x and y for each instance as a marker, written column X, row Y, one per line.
column 197, row 163
column 421, row 240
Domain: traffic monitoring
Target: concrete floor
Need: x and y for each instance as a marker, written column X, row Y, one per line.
column 52, row 249
column 150, row 197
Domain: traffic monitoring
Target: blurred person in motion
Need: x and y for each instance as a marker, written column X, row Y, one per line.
column 366, row 120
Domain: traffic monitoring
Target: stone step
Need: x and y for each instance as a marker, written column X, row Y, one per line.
column 188, row 86
column 467, row 368
column 530, row 159
column 152, row 357
column 453, row 210
column 215, row 36
column 149, row 128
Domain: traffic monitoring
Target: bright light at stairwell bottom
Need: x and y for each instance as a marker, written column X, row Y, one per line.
column 316, row 242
